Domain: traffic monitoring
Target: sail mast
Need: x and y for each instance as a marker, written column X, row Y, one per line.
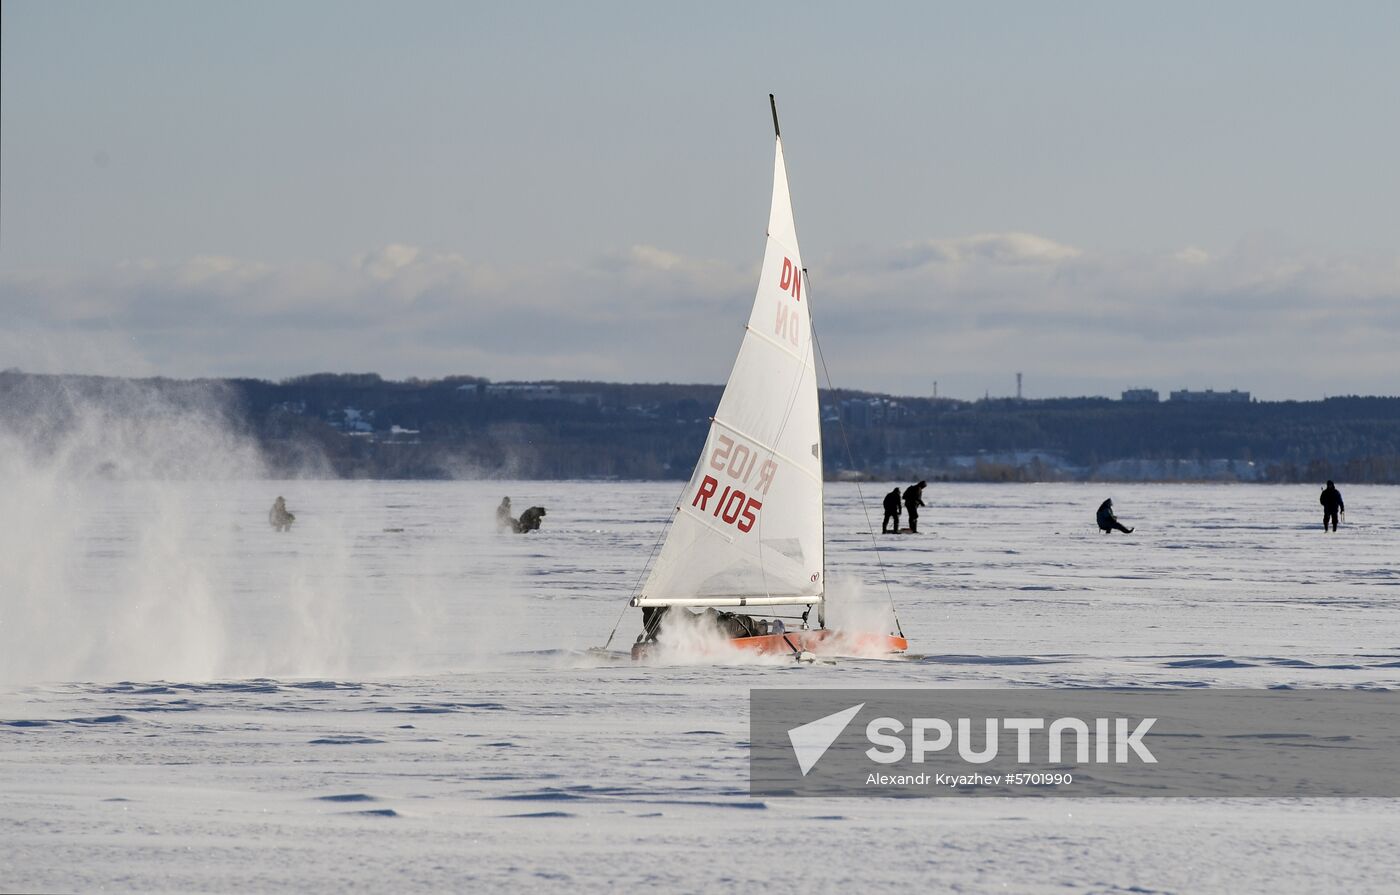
column 821, row 607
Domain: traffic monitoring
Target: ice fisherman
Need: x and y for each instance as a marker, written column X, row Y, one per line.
column 1331, row 500
column 505, row 519
column 530, row 520
column 1108, row 521
column 913, row 499
column 278, row 517
column 891, row 513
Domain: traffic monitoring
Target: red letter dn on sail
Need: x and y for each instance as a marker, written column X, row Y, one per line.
column 791, row 281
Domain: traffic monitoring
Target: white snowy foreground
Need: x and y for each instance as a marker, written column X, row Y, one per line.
column 394, row 697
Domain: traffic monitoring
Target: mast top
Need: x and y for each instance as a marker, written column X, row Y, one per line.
column 773, row 104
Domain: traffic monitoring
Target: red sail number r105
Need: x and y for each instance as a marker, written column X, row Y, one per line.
column 733, row 506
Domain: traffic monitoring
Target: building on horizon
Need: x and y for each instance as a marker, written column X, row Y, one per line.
column 1210, row 396
column 866, row 413
column 1141, row 396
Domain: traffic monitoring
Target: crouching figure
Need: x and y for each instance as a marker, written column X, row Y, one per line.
column 278, row 517
column 530, row 520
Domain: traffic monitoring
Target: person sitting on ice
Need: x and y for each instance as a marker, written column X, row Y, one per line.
column 278, row 517
column 1108, row 521
column 530, row 520
column 505, row 519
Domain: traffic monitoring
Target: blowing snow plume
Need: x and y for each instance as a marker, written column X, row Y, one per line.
column 854, row 612
column 693, row 638
column 120, row 543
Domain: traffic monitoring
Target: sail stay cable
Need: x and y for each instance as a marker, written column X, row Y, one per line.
column 850, row 458
column 660, row 536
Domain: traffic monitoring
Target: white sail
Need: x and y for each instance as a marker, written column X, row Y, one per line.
column 748, row 530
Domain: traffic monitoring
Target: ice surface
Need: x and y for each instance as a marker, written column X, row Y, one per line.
column 194, row 702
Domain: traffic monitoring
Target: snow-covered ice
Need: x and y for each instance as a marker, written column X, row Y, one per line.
column 393, row 696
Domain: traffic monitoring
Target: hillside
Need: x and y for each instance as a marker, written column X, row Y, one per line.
column 360, row 425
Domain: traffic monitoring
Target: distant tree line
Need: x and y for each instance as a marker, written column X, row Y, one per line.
column 363, row 426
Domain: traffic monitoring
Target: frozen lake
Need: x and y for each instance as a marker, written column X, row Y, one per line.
column 393, row 695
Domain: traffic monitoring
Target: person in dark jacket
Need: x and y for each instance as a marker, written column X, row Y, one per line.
column 1331, row 500
column 891, row 513
column 1108, row 521
column 530, row 520
column 913, row 499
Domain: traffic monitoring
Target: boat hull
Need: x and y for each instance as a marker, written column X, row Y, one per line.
column 819, row 642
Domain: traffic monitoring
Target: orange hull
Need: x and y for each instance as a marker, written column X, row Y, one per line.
column 821, row 642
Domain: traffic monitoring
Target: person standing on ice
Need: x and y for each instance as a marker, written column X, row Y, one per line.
column 1331, row 500
column 913, row 499
column 278, row 517
column 1108, row 521
column 891, row 513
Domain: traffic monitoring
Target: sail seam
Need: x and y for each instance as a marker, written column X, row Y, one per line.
column 705, row 522
column 767, row 447
column 783, row 348
column 791, row 248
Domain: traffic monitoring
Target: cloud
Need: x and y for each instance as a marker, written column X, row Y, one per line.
column 1006, row 249
column 383, row 264
column 967, row 311
column 399, row 310
column 1261, row 316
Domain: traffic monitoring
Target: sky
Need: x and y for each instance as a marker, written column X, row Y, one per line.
column 1098, row 195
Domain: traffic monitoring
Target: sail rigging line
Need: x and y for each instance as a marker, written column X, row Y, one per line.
column 815, row 349
column 660, row 536
column 850, row 458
